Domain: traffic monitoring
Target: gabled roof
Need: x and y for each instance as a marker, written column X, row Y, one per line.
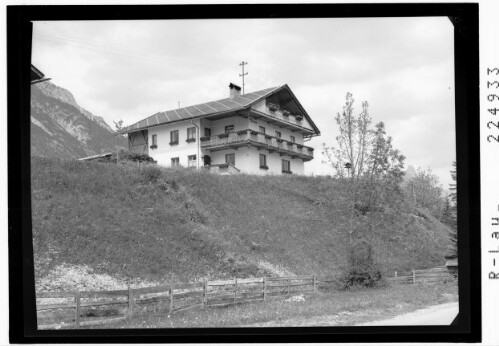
column 227, row 105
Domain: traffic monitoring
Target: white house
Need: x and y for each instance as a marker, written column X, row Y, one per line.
column 262, row 132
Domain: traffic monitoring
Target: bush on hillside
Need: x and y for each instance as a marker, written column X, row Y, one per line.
column 151, row 174
column 361, row 270
column 128, row 156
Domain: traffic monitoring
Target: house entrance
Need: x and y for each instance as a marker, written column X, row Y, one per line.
column 207, row 160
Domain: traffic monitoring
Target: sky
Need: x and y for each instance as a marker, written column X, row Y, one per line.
column 404, row 68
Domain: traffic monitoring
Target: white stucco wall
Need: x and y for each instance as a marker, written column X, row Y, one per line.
column 218, row 126
column 248, row 161
column 165, row 152
column 247, row 158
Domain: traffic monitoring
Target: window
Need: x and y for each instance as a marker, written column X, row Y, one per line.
column 175, row 162
column 191, row 134
column 191, row 161
column 293, row 139
column 278, row 134
column 262, row 129
column 207, row 132
column 154, row 142
column 229, row 128
column 230, row 158
column 285, row 166
column 174, row 137
column 263, row 161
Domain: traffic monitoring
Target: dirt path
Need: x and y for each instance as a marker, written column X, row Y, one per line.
column 441, row 314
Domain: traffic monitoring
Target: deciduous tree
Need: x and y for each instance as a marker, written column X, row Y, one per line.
column 424, row 191
column 372, row 171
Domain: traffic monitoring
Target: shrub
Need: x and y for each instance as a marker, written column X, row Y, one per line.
column 128, row 156
column 150, row 174
column 361, row 270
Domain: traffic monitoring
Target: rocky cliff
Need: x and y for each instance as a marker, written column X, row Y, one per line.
column 62, row 128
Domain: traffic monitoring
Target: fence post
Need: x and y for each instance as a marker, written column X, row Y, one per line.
column 289, row 283
column 171, row 299
column 395, row 274
column 413, row 276
column 264, row 289
column 77, row 312
column 314, row 283
column 205, row 293
column 130, row 302
column 235, row 291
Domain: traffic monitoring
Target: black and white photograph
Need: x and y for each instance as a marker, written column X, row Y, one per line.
column 241, row 173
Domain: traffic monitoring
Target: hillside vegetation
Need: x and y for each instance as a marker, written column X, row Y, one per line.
column 161, row 224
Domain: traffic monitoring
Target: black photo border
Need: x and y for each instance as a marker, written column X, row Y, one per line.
column 22, row 315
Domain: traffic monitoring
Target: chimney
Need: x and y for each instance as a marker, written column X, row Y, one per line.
column 234, row 90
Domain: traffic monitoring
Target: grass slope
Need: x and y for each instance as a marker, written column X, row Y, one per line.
column 159, row 224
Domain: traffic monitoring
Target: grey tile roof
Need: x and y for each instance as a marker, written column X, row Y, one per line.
column 224, row 105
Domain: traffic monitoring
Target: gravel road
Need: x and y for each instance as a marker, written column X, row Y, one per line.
column 442, row 314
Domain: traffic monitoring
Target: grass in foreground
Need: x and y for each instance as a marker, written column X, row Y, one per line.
column 183, row 225
column 320, row 309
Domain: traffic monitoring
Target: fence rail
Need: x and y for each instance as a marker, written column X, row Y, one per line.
column 421, row 276
column 78, row 309
column 92, row 307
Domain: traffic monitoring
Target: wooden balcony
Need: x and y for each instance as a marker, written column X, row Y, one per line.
column 259, row 140
column 284, row 119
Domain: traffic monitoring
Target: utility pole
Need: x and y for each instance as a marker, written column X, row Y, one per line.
column 244, row 74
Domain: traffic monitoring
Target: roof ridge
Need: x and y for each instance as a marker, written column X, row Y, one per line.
column 229, row 98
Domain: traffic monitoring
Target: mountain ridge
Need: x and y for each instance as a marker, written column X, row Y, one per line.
column 65, row 95
column 60, row 127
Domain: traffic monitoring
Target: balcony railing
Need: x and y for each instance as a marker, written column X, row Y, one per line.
column 286, row 116
column 260, row 140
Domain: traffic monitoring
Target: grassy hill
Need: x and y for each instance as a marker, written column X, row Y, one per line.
column 156, row 224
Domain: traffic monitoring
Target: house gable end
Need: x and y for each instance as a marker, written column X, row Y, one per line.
column 283, row 104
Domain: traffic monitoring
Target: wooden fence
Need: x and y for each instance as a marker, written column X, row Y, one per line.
column 437, row 274
column 76, row 309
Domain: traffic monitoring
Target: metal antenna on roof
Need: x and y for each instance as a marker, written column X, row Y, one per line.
column 244, row 74
column 178, row 104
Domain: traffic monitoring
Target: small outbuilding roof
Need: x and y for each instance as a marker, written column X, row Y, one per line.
column 93, row 157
